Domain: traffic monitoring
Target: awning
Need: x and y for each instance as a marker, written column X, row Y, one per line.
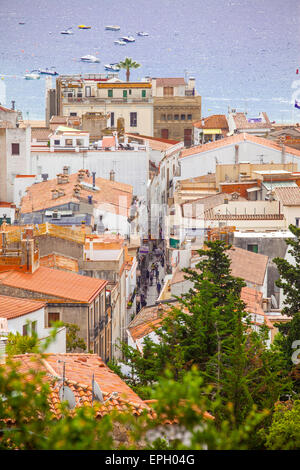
column 212, row 131
column 251, row 190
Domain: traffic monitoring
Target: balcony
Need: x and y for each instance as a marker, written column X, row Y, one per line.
column 97, row 100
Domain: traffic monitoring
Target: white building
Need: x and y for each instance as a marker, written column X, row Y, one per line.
column 26, row 316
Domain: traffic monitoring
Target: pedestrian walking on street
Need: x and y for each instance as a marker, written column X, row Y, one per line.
column 151, row 278
column 156, row 273
column 158, row 287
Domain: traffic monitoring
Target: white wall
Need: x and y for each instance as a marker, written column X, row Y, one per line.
column 15, row 325
column 130, row 167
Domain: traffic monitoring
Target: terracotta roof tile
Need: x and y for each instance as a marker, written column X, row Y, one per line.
column 114, row 196
column 60, row 262
column 288, row 196
column 241, row 122
column 54, row 282
column 13, row 307
column 78, row 376
column 216, row 121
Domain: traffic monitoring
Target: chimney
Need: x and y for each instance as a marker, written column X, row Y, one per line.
column 283, row 154
column 65, row 170
column 236, row 154
column 13, row 105
column 54, row 193
column 30, row 258
column 112, row 175
column 94, row 179
column 76, row 190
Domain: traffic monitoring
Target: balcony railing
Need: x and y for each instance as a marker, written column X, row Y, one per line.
column 94, row 99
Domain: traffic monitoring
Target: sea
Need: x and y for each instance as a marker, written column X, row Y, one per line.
column 244, row 54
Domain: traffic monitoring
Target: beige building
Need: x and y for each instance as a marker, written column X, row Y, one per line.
column 126, row 104
column 176, row 107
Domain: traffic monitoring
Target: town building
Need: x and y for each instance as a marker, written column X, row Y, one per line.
column 239, row 123
column 128, row 103
column 211, row 128
column 26, row 316
column 14, row 151
column 176, row 106
column 72, row 199
column 69, row 297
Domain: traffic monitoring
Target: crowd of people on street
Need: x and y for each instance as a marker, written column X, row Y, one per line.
column 151, row 277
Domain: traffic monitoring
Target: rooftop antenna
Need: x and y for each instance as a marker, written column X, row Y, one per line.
column 261, row 160
column 65, row 393
column 96, row 392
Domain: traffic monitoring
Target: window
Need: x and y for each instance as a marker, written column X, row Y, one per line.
column 124, row 93
column 79, row 142
column 297, row 222
column 189, row 117
column 15, row 149
column 25, row 330
column 52, row 318
column 112, row 119
column 33, row 327
column 182, row 117
column 74, row 114
column 70, row 95
column 143, row 93
column 170, row 117
column 163, row 117
column 57, row 142
column 176, row 117
column 79, row 95
column 253, row 248
column 87, row 91
column 133, row 119
column 130, row 92
column 69, row 142
column 110, row 93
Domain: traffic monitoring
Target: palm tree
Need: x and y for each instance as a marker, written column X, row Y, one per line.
column 128, row 64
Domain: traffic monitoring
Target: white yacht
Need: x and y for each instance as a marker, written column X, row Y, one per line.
column 120, row 42
column 67, row 31
column 142, row 33
column 112, row 28
column 128, row 39
column 33, row 75
column 89, row 58
column 112, row 67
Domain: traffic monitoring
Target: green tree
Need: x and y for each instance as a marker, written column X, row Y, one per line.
column 18, row 344
column 284, row 432
column 74, row 342
column 290, row 274
column 128, row 64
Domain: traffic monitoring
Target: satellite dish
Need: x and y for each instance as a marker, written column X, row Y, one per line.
column 274, row 301
column 97, row 394
column 66, row 394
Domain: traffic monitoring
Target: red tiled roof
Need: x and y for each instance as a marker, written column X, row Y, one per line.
column 235, row 139
column 7, row 110
column 79, row 369
column 248, row 265
column 13, row 307
column 39, row 195
column 216, row 121
column 63, row 284
column 40, row 133
column 288, row 196
column 241, row 122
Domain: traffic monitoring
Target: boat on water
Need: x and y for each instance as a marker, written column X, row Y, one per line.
column 89, row 58
column 112, row 28
column 67, row 31
column 33, row 75
column 127, row 39
column 47, row 71
column 112, row 67
column 142, row 33
column 120, row 42
column 21, row 22
column 82, row 26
